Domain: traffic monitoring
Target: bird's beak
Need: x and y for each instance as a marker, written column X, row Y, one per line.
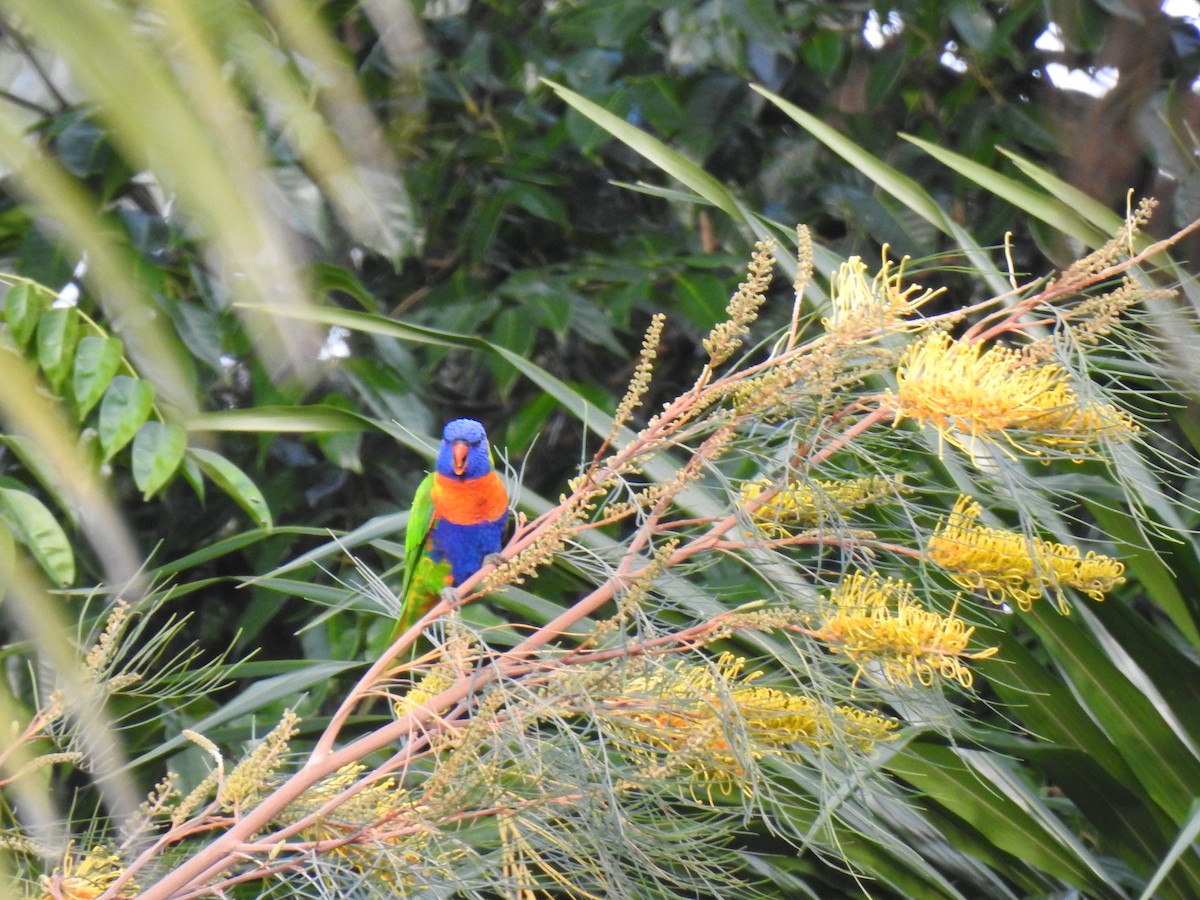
column 460, row 457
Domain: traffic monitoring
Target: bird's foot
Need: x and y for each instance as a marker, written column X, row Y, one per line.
column 494, row 559
column 449, row 596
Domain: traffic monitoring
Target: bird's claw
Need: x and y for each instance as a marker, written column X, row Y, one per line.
column 494, row 559
column 449, row 596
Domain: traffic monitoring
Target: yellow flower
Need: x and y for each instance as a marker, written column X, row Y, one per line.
column 879, row 622
column 964, row 391
column 859, row 304
column 86, row 876
column 354, row 822
column 681, row 711
column 805, row 503
column 1010, row 565
column 431, row 684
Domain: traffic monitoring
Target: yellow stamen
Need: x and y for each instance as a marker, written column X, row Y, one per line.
column 1014, row 566
column 879, row 622
column 964, row 391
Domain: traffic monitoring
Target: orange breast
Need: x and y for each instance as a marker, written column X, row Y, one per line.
column 473, row 502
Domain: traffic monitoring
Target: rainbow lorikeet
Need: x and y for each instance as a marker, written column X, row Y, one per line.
column 456, row 521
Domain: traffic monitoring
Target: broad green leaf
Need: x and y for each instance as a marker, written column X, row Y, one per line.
column 1163, row 765
column 380, row 210
column 328, row 279
column 22, row 309
column 702, row 296
column 193, row 476
column 973, row 23
column 199, row 328
column 1133, row 827
column 1047, row 708
column 1145, row 564
column 82, row 148
column 274, row 419
column 126, row 406
column 37, row 528
column 513, row 330
column 823, row 52
column 537, row 201
column 343, row 449
column 158, row 450
column 96, row 363
column 234, row 482
column 57, row 333
column 34, row 459
column 991, row 797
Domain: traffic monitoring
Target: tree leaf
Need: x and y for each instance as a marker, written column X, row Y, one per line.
column 1050, row 210
column 1161, row 763
column 901, row 186
column 987, row 794
column 1179, row 850
column 96, row 363
column 126, row 405
column 8, row 549
column 22, row 308
column 57, row 333
column 343, row 449
column 234, row 482
column 320, row 418
column 43, row 471
column 261, row 694
column 194, row 476
column 823, row 53
column 37, row 528
column 675, row 165
column 158, row 450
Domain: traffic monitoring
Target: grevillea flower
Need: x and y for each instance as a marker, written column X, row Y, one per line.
column 684, row 710
column 804, row 503
column 880, row 303
column 356, row 823
column 1008, row 565
column 84, row 876
column 966, row 392
column 878, row 623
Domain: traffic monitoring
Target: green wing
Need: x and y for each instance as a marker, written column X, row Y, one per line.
column 415, row 537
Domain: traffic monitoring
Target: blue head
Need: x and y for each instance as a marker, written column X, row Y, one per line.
column 464, row 454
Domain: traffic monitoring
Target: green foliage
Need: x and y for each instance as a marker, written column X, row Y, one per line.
column 79, row 363
column 311, row 232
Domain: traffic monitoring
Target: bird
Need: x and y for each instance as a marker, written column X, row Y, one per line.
column 456, row 521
